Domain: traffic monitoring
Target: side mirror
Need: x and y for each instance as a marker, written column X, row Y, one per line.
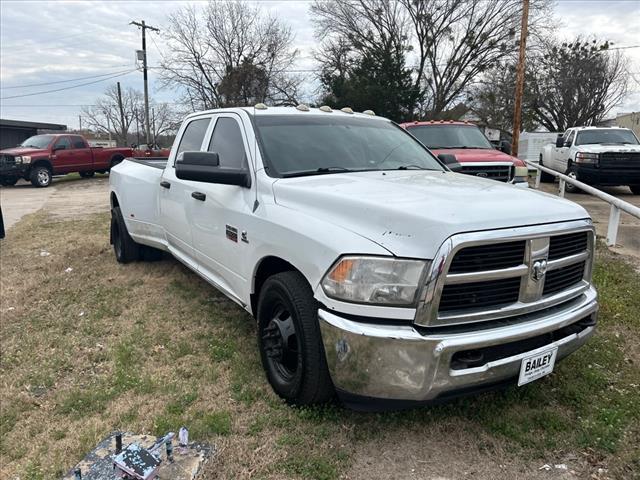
column 205, row 167
column 505, row 147
column 59, row 147
column 560, row 142
column 450, row 161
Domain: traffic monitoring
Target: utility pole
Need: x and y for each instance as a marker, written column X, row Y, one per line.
column 122, row 128
column 517, row 109
column 80, row 122
column 144, row 28
column 153, row 123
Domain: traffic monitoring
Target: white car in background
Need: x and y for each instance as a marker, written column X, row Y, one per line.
column 607, row 156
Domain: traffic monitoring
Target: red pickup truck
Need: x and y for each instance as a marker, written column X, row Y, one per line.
column 40, row 157
column 471, row 148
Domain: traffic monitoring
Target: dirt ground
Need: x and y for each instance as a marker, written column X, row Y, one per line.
column 436, row 446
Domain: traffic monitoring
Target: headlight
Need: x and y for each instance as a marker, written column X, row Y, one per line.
column 521, row 175
column 377, row 280
column 583, row 157
column 23, row 159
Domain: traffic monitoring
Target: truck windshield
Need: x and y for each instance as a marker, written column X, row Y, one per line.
column 296, row 145
column 610, row 136
column 450, row 136
column 37, row 141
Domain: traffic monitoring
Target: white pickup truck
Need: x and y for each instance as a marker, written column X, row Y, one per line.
column 372, row 269
column 607, row 156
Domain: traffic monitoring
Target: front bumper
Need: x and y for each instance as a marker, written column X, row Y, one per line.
column 401, row 363
column 610, row 176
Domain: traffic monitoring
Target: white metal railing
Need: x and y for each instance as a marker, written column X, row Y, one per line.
column 617, row 205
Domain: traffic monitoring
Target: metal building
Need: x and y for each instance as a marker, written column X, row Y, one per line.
column 13, row 132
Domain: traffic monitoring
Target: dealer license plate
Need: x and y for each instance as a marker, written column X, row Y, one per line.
column 537, row 366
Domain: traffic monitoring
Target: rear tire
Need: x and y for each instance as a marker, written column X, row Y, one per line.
column 124, row 247
column 115, row 161
column 635, row 189
column 544, row 176
column 290, row 342
column 40, row 176
column 87, row 174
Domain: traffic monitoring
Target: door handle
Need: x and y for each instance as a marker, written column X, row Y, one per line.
column 199, row 196
column 165, row 184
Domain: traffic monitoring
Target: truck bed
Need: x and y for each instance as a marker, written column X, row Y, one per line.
column 155, row 162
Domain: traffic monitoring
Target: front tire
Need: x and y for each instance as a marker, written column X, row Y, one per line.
column 124, row 247
column 290, row 342
column 87, row 174
column 568, row 187
column 40, row 176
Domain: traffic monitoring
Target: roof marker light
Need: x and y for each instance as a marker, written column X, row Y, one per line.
column 346, row 110
column 260, row 106
column 326, row 108
column 302, row 107
column 369, row 112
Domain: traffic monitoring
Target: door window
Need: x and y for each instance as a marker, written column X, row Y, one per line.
column 227, row 142
column 193, row 136
column 569, row 140
column 78, row 142
column 63, row 142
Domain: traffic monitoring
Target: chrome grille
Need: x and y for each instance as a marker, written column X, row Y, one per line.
column 563, row 278
column 493, row 275
column 488, row 257
column 501, row 172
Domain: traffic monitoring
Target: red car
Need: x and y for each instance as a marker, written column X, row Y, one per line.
column 151, row 150
column 472, row 150
column 40, row 157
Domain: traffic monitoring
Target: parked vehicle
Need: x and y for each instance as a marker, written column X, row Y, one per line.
column 472, row 149
column 371, row 268
column 531, row 143
column 606, row 156
column 150, row 150
column 40, row 157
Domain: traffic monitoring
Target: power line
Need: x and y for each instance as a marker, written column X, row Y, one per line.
column 65, row 81
column 67, row 88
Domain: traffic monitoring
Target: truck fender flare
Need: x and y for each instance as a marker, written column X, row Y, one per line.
column 41, row 161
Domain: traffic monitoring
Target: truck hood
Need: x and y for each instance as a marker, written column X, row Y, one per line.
column 467, row 155
column 21, row 151
column 599, row 148
column 410, row 213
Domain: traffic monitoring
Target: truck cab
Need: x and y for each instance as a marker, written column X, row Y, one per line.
column 471, row 148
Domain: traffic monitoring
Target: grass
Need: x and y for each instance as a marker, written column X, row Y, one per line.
column 150, row 347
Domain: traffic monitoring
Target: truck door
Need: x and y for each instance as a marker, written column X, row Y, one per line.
column 175, row 198
column 82, row 154
column 561, row 154
column 62, row 157
column 221, row 220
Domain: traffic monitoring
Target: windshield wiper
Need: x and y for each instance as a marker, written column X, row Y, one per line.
column 411, row 167
column 321, row 171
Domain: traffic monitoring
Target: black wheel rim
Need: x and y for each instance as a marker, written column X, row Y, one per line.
column 280, row 343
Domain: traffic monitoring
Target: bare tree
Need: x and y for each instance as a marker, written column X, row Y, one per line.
column 104, row 116
column 458, row 40
column 576, row 83
column 230, row 45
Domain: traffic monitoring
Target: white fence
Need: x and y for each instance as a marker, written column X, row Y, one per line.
column 617, row 205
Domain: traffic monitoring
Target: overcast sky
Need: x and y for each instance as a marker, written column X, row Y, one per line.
column 45, row 41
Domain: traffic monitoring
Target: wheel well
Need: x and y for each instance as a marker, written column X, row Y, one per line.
column 114, row 200
column 45, row 163
column 116, row 158
column 268, row 266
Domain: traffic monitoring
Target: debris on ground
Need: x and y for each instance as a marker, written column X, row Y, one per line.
column 184, row 463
